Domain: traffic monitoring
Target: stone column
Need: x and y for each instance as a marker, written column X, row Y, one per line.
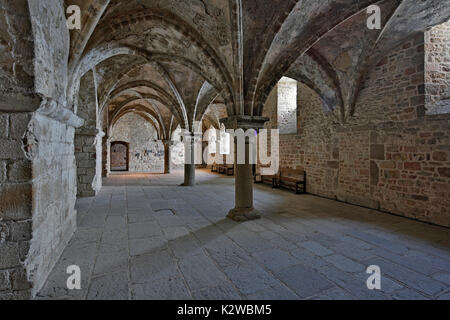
column 107, row 163
column 98, row 184
column 105, row 154
column 88, row 155
column 244, row 209
column 244, row 188
column 189, row 164
column 167, row 155
column 85, row 155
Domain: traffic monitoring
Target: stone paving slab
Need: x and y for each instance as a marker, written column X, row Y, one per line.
column 145, row 237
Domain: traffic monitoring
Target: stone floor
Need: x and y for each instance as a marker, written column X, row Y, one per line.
column 144, row 237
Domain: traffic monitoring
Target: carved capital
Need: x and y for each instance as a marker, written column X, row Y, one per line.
column 167, row 143
column 54, row 110
column 244, row 122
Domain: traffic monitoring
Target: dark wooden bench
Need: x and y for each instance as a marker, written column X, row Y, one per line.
column 267, row 179
column 227, row 169
column 214, row 167
column 294, row 179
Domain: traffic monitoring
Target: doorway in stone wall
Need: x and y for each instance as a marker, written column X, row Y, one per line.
column 120, row 156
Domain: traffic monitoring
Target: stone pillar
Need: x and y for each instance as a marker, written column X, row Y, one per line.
column 167, row 155
column 108, row 157
column 244, row 209
column 88, row 160
column 244, row 189
column 105, row 156
column 189, row 164
column 98, row 181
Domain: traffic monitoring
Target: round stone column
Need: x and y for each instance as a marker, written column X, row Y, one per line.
column 244, row 209
column 189, row 164
column 167, row 155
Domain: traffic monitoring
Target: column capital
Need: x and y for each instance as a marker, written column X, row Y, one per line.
column 193, row 136
column 54, row 109
column 100, row 133
column 244, row 122
column 167, row 142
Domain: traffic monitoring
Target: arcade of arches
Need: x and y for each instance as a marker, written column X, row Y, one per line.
column 96, row 124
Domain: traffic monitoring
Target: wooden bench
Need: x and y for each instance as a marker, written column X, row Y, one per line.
column 227, row 169
column 214, row 167
column 293, row 179
column 267, row 179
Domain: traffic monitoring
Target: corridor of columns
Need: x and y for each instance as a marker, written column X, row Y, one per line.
column 143, row 237
column 222, row 149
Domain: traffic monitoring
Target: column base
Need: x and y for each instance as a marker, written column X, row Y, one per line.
column 243, row 214
column 188, row 185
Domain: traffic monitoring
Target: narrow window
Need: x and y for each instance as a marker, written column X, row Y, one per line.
column 437, row 69
column 287, row 106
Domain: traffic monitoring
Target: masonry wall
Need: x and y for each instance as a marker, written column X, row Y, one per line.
column 54, row 195
column 177, row 151
column 86, row 161
column 88, row 139
column 16, row 191
column 16, row 57
column 390, row 156
column 437, row 69
column 37, row 163
column 146, row 154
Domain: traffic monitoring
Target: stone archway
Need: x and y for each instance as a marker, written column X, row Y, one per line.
column 120, row 156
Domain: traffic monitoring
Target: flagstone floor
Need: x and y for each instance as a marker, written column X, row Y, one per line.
column 145, row 237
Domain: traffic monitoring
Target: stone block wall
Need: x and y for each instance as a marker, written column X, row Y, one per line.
column 390, row 156
column 177, row 151
column 88, row 139
column 177, row 156
column 16, row 190
column 54, row 195
column 146, row 154
column 409, row 151
column 437, row 69
column 37, row 162
column 16, row 57
column 86, row 159
column 148, row 158
column 37, row 197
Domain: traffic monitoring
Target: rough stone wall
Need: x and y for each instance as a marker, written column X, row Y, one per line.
column 146, row 153
column 16, row 190
column 312, row 147
column 16, row 57
column 37, row 198
column 88, row 140
column 85, row 152
column 437, row 69
column 54, row 195
column 409, row 151
column 177, row 151
column 51, row 51
column 391, row 156
column 37, row 163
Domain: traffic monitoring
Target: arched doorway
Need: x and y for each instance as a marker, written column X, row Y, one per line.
column 119, row 156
